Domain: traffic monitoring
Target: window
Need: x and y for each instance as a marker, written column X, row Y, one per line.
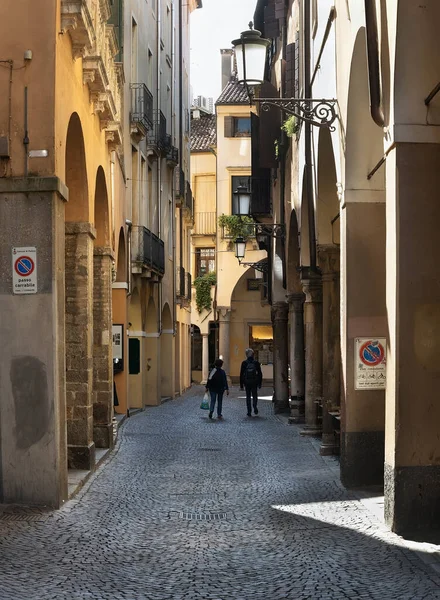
column 205, row 261
column 236, row 181
column 237, row 126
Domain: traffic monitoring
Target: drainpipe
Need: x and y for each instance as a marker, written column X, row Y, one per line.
column 173, row 133
column 308, row 140
column 129, row 231
column 373, row 63
column 159, row 161
column 181, row 127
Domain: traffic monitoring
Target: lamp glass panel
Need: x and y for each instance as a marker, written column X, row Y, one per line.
column 255, row 63
column 240, row 248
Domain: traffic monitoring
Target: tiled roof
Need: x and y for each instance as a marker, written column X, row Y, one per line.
column 233, row 93
column 203, row 133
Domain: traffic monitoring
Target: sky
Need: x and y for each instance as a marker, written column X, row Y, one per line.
column 213, row 27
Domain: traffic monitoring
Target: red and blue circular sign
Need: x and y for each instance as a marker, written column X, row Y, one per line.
column 24, row 266
column 372, row 353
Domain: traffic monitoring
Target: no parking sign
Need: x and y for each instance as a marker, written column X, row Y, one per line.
column 24, row 270
column 370, row 363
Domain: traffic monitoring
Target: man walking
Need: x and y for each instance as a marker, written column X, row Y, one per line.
column 251, row 379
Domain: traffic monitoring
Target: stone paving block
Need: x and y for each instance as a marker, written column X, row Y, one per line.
column 291, row 530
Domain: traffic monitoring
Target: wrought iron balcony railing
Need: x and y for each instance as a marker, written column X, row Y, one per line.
column 141, row 115
column 188, row 286
column 147, row 250
column 157, row 136
column 171, row 152
column 188, row 197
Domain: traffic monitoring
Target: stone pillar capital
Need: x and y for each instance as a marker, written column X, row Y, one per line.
column 296, row 301
column 312, row 286
column 280, row 311
column 224, row 313
column 328, row 257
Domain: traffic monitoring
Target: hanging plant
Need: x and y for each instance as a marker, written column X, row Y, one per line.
column 203, row 286
column 236, row 226
column 290, row 126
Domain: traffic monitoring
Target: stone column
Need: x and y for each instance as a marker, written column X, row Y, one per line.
column 331, row 355
column 205, row 357
column 312, row 286
column 33, row 452
column 79, row 344
column 102, row 348
column 412, row 449
column 224, row 334
column 297, row 358
column 279, row 314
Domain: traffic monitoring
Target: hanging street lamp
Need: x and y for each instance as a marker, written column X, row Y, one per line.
column 250, row 53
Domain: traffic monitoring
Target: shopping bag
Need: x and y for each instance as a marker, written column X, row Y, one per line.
column 205, row 402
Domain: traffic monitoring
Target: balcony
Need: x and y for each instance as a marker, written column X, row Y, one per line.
column 147, row 252
column 184, row 285
column 141, row 115
column 179, row 186
column 188, row 198
column 205, row 223
column 157, row 136
column 171, row 152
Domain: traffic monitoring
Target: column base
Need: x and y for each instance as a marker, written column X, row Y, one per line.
column 281, row 408
column 329, row 446
column 362, row 458
column 311, row 431
column 81, row 457
column 297, row 410
column 412, row 499
column 103, row 436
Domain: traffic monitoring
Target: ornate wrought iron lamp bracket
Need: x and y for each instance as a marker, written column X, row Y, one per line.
column 317, row 112
column 276, row 230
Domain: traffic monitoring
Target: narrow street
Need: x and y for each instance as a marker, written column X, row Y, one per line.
column 186, row 508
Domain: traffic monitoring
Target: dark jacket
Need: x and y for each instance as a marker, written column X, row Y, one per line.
column 219, row 386
column 243, row 371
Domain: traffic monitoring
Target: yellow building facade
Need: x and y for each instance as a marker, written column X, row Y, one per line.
column 239, row 315
column 89, row 205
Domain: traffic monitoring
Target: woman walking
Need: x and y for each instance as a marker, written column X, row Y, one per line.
column 217, row 384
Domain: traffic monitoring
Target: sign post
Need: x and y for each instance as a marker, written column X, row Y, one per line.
column 24, row 270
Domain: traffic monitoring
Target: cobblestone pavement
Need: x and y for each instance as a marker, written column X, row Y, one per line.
column 187, row 508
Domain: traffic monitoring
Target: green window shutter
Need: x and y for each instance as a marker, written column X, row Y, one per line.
column 134, row 356
column 229, row 126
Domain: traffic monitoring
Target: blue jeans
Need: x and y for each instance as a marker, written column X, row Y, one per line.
column 216, row 395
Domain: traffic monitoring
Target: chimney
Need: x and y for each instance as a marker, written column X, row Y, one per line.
column 226, row 66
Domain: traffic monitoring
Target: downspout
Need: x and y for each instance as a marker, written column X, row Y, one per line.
column 308, row 140
column 159, row 164
column 373, row 63
column 181, row 132
column 173, row 133
column 129, row 232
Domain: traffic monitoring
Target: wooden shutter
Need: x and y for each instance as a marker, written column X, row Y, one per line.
column 290, row 70
column 260, row 179
column 296, row 85
column 229, row 126
column 269, row 129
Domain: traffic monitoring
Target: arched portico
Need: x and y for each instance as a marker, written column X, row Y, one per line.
column 328, row 238
column 167, row 354
column 80, row 236
column 362, row 279
column 120, row 310
column 102, row 319
column 136, row 359
column 412, row 451
column 295, row 299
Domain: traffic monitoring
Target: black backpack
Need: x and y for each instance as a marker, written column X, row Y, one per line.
column 250, row 373
column 216, row 380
